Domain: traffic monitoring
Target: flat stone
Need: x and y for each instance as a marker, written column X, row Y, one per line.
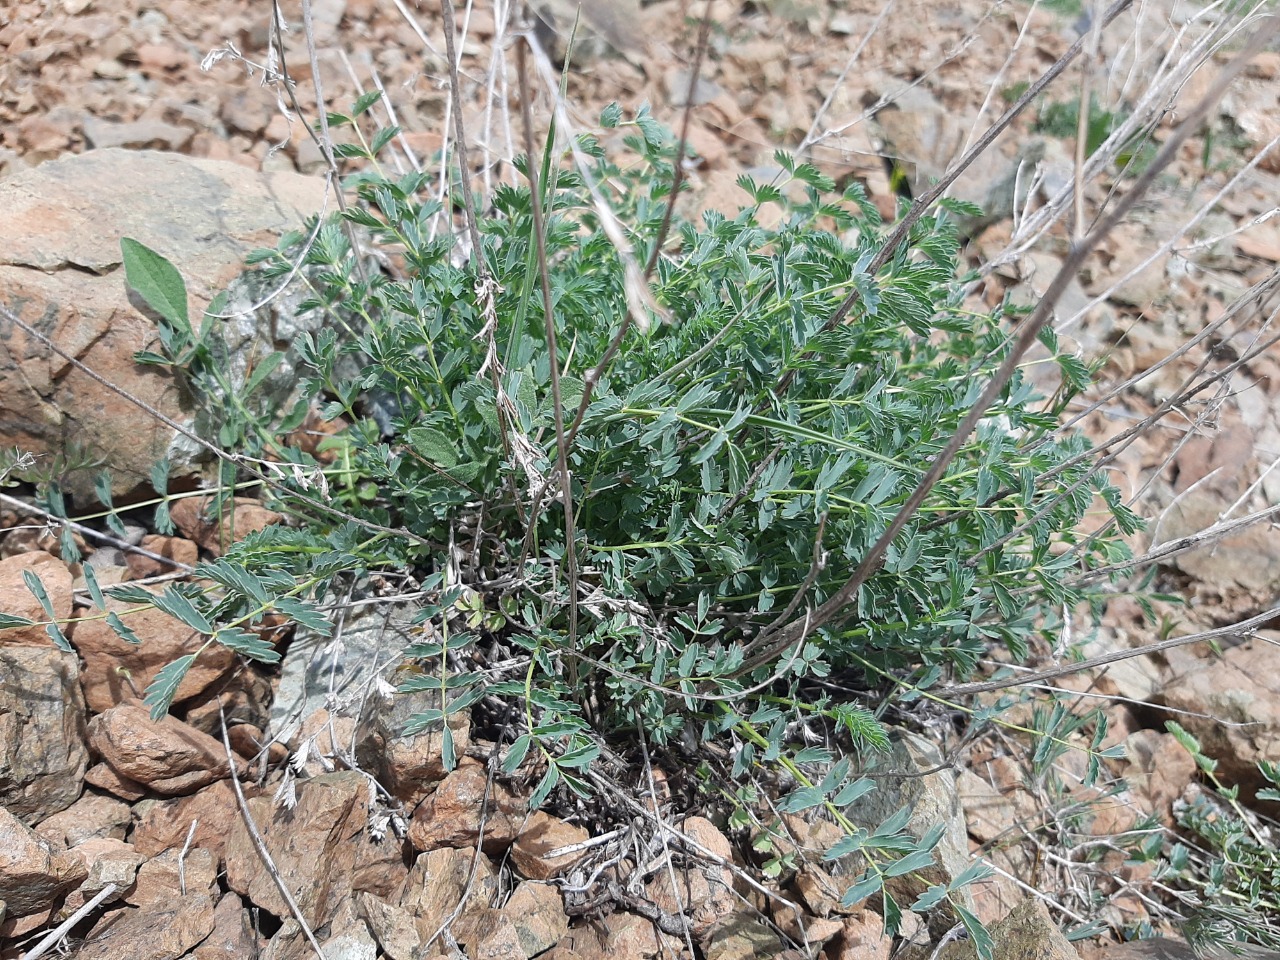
column 232, row 937
column 164, row 825
column 536, row 914
column 542, row 835
column 94, row 815
column 451, row 817
column 167, row 929
column 321, row 849
column 116, row 670
column 60, row 270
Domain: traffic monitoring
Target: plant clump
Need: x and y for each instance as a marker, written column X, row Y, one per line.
column 731, row 454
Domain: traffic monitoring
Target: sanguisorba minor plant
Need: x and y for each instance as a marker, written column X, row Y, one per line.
column 732, row 458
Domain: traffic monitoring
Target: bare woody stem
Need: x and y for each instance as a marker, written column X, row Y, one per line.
column 562, row 445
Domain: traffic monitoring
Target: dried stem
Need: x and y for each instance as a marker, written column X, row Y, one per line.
column 562, row 447
column 677, row 177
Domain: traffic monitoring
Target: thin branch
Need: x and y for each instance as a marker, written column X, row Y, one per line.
column 260, row 845
column 326, row 141
column 460, row 136
column 677, row 177
column 84, row 531
column 1243, row 628
column 562, row 447
column 62, row 929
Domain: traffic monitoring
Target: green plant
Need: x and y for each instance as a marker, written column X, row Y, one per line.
column 1223, row 874
column 732, row 455
column 1061, row 119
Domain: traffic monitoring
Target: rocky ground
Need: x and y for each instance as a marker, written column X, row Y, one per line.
column 371, row 845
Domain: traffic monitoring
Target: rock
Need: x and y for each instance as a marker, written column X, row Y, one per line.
column 197, row 518
column 1125, row 249
column 435, row 888
column 1164, row 948
column 326, row 672
column 408, row 766
column 243, row 698
column 325, row 17
column 16, row 599
column 536, row 914
column 166, row 756
column 48, row 134
column 541, row 836
column 677, row 84
column 820, row 891
column 247, row 112
column 325, row 741
column 500, row 942
column 620, row 936
column 232, row 937
column 60, row 270
column 137, row 135
column 321, row 849
column 101, row 775
column 704, row 891
column 116, row 670
column 1247, row 559
column 33, row 874
column 741, row 937
column 178, row 549
column 861, row 937
column 92, row 816
column 931, row 798
column 1027, row 933
column 923, row 136
column 163, row 825
column 1159, row 770
column 1241, row 688
column 393, row 927
column 172, row 872
column 158, row 931
column 42, row 753
column 159, row 57
column 107, row 861
column 809, row 930
column 599, row 23
column 353, row 943
column 451, row 816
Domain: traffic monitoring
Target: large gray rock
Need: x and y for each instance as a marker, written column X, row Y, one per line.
column 60, row 272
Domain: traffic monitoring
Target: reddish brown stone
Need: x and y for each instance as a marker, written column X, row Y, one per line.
column 116, row 670
column 42, row 752
column 166, row 755
column 163, row 825
column 33, row 874
column 93, row 815
column 16, row 599
column 239, row 518
column 541, row 836
column 451, row 816
column 179, row 549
